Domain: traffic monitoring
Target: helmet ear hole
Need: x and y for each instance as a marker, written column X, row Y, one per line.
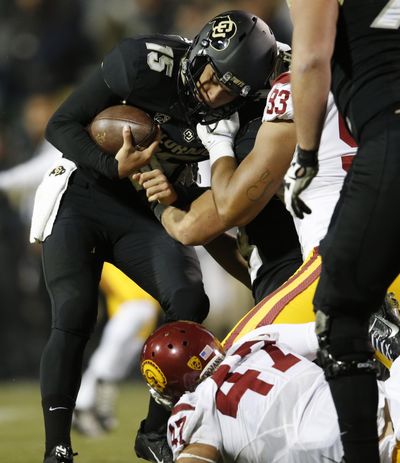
column 185, row 343
column 170, row 346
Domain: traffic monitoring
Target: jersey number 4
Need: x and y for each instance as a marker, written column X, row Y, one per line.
column 228, row 404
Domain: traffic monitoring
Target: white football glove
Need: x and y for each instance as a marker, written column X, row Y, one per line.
column 219, row 138
column 302, row 170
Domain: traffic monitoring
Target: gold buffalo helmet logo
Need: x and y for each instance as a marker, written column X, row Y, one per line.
column 223, row 30
column 59, row 170
column 153, row 375
column 195, row 363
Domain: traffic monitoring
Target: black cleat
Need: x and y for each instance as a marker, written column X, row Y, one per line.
column 384, row 330
column 152, row 446
column 61, row 454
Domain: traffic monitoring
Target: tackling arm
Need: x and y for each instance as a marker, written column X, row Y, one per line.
column 199, row 225
column 241, row 192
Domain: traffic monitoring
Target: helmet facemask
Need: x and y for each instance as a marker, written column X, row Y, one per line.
column 196, row 110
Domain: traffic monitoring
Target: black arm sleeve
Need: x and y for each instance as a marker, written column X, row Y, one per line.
column 66, row 129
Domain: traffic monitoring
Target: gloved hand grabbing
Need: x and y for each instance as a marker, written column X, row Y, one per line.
column 219, row 139
column 303, row 169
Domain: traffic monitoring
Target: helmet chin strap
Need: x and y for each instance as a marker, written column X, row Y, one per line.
column 211, row 366
column 163, row 400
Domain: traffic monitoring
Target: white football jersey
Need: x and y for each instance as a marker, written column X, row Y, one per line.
column 335, row 154
column 263, row 404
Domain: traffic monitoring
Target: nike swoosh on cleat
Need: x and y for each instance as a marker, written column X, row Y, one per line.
column 155, row 456
column 394, row 329
column 51, row 409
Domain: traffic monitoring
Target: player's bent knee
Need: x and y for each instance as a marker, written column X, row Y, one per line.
column 76, row 315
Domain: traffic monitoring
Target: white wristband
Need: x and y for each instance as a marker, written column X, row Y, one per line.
column 221, row 150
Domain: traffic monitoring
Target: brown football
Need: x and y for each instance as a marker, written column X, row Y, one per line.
column 106, row 128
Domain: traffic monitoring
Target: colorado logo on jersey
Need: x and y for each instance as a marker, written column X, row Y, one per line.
column 154, row 376
column 59, row 170
column 223, row 30
column 161, row 118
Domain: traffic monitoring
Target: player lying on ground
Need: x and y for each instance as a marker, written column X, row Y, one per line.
column 259, row 401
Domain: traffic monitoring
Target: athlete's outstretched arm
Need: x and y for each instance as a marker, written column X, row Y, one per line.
column 242, row 191
column 198, row 225
column 238, row 193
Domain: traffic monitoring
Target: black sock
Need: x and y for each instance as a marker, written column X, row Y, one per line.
column 356, row 402
column 157, row 417
column 57, row 413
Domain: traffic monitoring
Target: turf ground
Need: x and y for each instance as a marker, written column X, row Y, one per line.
column 21, row 426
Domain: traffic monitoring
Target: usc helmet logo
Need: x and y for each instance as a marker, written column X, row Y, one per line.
column 222, row 31
column 153, row 375
column 195, row 363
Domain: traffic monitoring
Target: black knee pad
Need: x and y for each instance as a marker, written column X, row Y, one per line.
column 344, row 347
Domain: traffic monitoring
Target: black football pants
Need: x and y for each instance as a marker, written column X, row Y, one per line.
column 361, row 252
column 360, row 258
column 93, row 227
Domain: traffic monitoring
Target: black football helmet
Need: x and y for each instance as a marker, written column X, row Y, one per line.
column 242, row 50
column 176, row 357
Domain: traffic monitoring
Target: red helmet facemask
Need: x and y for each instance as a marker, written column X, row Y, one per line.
column 176, row 357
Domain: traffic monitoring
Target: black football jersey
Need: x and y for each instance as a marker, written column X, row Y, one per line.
column 366, row 60
column 141, row 71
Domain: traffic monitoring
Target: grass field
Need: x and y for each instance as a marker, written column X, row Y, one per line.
column 21, row 427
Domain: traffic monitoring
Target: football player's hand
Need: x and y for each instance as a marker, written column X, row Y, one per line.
column 219, row 138
column 157, row 186
column 303, row 169
column 129, row 158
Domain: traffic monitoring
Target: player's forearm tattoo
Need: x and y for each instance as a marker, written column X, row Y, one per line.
column 257, row 191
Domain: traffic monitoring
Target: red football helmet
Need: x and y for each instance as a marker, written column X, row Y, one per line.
column 176, row 357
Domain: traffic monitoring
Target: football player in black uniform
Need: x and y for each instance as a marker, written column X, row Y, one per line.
column 352, row 47
column 102, row 217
